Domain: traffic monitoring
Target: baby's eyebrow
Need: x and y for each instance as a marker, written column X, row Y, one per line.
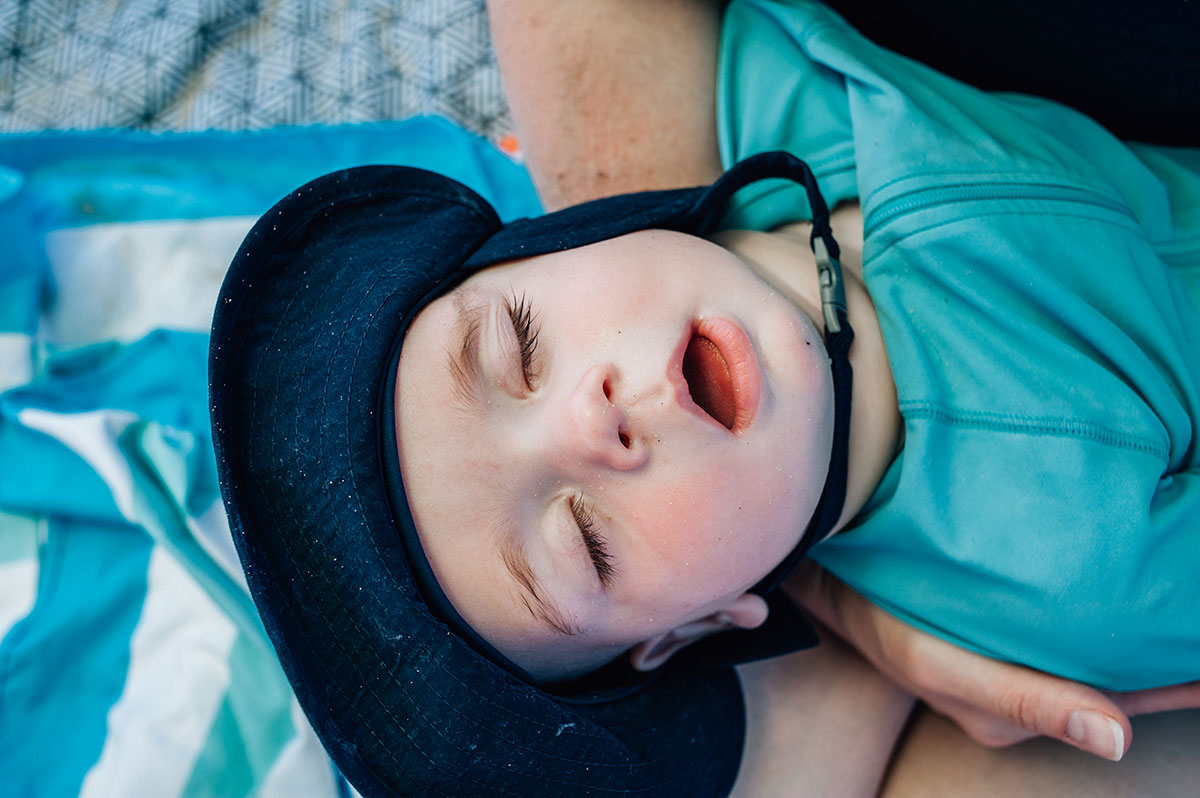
column 466, row 375
column 540, row 607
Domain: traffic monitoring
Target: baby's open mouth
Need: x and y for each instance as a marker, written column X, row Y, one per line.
column 709, row 380
column 720, row 373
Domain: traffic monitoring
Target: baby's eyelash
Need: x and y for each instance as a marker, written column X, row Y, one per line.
column 596, row 546
column 522, row 315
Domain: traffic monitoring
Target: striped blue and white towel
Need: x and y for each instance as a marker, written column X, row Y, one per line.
column 132, row 662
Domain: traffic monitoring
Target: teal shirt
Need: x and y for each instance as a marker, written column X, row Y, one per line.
column 1038, row 284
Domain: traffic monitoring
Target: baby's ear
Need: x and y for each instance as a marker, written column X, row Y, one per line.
column 747, row 611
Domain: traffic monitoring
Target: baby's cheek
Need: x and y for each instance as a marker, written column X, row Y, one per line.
column 692, row 528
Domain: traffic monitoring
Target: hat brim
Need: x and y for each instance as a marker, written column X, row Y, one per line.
column 307, row 324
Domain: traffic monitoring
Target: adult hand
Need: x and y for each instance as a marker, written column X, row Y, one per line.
column 995, row 703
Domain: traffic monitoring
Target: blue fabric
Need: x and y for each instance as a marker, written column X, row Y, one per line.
column 1037, row 282
column 93, row 577
column 123, row 614
column 161, row 377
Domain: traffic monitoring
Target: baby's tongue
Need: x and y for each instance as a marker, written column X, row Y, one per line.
column 709, row 381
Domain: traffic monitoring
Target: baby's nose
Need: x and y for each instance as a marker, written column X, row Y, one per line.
column 597, row 425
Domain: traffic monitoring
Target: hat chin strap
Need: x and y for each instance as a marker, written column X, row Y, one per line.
column 838, row 337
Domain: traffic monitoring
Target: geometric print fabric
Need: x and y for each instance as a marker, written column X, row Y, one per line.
column 246, row 64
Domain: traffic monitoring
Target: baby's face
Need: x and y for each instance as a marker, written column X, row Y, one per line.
column 577, row 493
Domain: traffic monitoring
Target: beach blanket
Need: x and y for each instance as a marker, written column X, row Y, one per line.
column 132, row 661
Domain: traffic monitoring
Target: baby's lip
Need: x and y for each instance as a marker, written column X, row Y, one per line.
column 745, row 371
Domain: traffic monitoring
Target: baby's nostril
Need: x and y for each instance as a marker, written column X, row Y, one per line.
column 607, row 389
column 626, row 441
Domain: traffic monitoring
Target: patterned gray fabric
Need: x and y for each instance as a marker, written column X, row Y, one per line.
column 244, row 64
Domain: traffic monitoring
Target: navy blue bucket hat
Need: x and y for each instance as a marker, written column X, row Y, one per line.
column 405, row 696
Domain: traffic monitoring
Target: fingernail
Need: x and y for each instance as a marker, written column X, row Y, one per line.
column 1097, row 733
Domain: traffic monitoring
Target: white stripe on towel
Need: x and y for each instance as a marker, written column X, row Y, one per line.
column 118, row 281
column 177, row 680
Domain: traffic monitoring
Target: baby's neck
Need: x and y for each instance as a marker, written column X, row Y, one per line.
column 784, row 259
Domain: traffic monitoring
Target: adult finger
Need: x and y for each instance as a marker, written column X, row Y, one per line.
column 983, row 695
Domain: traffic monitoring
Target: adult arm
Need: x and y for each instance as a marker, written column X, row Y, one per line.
column 611, row 96
column 818, row 722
